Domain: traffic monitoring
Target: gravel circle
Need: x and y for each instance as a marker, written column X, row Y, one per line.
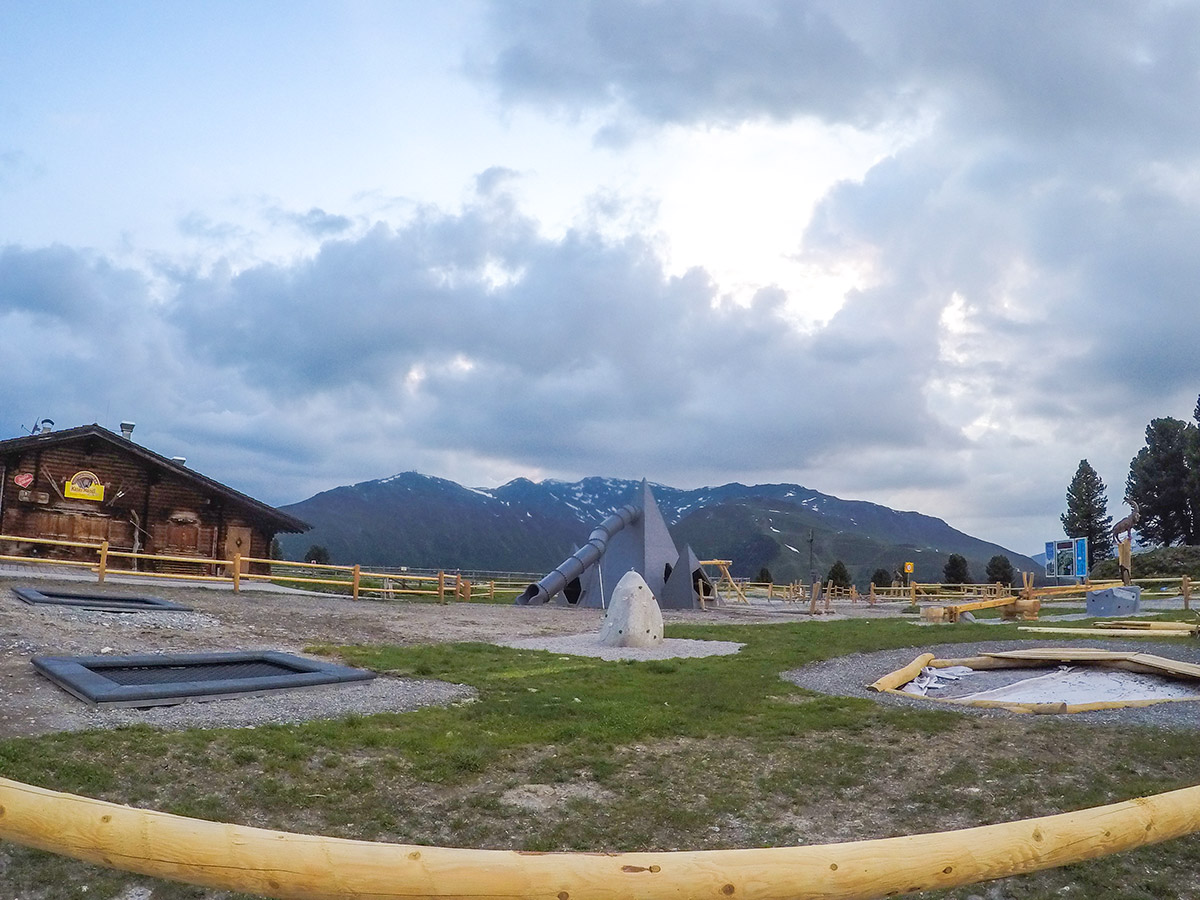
column 849, row 676
column 589, row 645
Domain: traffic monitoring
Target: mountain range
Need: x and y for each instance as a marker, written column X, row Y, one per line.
column 421, row 521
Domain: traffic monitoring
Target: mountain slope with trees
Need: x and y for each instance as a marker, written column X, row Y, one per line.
column 524, row 526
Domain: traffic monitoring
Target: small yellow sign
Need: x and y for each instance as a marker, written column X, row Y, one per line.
column 84, row 486
column 908, row 568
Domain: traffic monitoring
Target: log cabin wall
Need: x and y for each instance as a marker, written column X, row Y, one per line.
column 145, row 507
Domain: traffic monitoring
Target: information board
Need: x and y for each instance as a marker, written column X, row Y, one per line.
column 1067, row 559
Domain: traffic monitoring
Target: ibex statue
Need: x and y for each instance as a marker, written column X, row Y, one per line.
column 1127, row 523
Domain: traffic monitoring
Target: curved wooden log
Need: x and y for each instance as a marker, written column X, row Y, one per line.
column 284, row 865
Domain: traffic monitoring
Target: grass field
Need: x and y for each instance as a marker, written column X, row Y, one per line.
column 573, row 753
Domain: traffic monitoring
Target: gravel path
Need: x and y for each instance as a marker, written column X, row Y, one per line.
column 589, row 645
column 848, row 676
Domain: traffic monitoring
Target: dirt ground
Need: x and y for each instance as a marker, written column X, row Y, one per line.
column 256, row 620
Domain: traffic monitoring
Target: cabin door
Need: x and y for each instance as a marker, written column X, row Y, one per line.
column 237, row 540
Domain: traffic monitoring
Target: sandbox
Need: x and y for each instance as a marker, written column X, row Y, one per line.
column 1047, row 680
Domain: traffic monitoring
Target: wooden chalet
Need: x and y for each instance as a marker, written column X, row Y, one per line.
column 90, row 484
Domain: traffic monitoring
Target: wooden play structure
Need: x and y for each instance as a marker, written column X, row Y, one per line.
column 726, row 586
column 286, row 865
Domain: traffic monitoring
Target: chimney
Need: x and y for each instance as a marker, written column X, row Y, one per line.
column 182, row 460
column 45, row 426
column 127, row 430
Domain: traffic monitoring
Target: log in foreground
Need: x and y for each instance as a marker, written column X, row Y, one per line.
column 284, row 865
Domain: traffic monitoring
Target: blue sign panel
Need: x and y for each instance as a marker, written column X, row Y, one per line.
column 1067, row 559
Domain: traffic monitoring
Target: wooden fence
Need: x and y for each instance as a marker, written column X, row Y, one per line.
column 353, row 580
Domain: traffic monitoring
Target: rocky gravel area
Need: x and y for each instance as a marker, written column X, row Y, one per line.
column 282, row 620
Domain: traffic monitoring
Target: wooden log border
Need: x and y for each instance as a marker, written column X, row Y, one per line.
column 284, row 865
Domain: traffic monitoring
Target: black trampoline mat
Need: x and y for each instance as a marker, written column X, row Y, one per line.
column 104, row 602
column 167, row 678
column 196, row 672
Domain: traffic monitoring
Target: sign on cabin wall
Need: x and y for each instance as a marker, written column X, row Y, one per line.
column 23, row 479
column 84, row 486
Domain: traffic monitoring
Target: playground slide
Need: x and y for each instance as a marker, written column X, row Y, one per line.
column 285, row 865
column 582, row 559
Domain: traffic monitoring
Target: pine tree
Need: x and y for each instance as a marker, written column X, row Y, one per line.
column 1000, row 569
column 1159, row 481
column 956, row 571
column 839, row 575
column 881, row 578
column 1087, row 513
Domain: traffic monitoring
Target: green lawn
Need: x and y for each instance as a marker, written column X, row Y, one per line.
column 573, row 753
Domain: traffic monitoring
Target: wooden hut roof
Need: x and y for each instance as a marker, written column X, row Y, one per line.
column 280, row 520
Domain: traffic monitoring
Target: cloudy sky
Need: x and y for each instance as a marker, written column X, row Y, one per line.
column 926, row 254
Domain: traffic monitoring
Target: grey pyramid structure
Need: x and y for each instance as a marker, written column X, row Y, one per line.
column 688, row 584
column 634, row 538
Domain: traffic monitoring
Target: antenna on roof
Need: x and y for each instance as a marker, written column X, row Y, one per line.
column 41, row 426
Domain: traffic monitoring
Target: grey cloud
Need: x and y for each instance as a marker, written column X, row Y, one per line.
column 1051, row 72
column 198, row 225
column 316, row 222
column 683, row 61
column 482, row 336
column 62, row 283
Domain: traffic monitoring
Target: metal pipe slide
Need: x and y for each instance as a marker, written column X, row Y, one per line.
column 579, row 562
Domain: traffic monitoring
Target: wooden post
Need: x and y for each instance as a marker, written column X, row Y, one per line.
column 912, row 593
column 491, row 590
column 829, row 597
column 103, row 562
column 441, row 586
column 357, row 576
column 1185, row 588
column 237, row 572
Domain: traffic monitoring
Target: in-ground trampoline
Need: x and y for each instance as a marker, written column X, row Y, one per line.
column 161, row 679
column 104, row 602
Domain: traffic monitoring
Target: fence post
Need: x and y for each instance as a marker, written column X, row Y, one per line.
column 1186, row 590
column 103, row 562
column 357, row 575
column 441, row 586
column 912, row 593
column 237, row 572
column 491, row 590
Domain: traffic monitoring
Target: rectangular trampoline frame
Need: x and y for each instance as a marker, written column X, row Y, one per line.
column 83, row 677
column 101, row 602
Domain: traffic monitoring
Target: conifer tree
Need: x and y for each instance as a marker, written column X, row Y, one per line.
column 1087, row 513
column 955, row 571
column 839, row 575
column 1000, row 569
column 1159, row 481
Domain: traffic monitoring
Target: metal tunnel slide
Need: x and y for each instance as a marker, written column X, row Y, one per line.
column 581, row 560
